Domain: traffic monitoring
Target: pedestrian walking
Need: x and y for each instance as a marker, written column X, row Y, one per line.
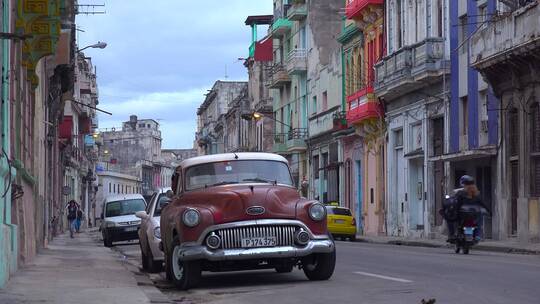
column 78, row 220
column 72, row 208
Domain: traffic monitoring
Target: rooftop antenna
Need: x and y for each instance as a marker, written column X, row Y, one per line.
column 226, row 76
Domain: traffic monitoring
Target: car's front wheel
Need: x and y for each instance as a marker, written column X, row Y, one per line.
column 106, row 241
column 184, row 275
column 319, row 266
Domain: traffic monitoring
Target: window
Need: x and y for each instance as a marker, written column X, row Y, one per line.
column 482, row 16
column 125, row 207
column 513, row 129
column 399, row 12
column 316, row 166
column 114, row 188
column 464, row 115
column 440, row 17
column 109, row 187
column 535, row 148
column 398, row 138
column 325, row 164
column 462, row 33
column 325, row 101
column 314, row 106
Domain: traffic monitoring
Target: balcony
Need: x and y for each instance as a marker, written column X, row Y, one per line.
column 281, row 27
column 513, row 36
column 297, row 61
column 280, row 144
column 362, row 108
column 297, row 11
column 263, row 105
column 296, row 139
column 411, row 68
column 279, row 77
column 324, row 122
column 364, row 11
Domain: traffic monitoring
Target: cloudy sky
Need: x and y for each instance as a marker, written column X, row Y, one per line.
column 163, row 55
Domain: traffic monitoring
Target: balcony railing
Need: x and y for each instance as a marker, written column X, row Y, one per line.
column 280, row 143
column 281, row 27
column 296, row 139
column 298, row 10
column 323, row 122
column 410, row 67
column 355, row 8
column 297, row 61
column 279, row 77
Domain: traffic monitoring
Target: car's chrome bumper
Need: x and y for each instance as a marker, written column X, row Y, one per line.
column 190, row 252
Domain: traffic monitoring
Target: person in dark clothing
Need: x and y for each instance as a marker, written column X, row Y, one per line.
column 469, row 195
column 78, row 220
column 72, row 208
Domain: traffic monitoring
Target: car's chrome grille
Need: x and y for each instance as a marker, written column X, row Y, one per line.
column 232, row 237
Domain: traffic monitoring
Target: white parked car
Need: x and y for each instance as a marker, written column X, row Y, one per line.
column 119, row 222
column 150, row 234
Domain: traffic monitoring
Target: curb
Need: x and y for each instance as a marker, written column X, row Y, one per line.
column 415, row 243
column 143, row 280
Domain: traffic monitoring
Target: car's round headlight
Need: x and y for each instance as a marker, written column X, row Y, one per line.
column 191, row 217
column 157, row 232
column 317, row 212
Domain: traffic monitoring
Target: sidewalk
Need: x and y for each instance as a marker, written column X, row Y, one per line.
column 509, row 246
column 79, row 271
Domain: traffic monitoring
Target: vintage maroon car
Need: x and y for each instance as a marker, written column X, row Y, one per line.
column 238, row 212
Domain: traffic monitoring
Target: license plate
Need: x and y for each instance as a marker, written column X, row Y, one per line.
column 468, row 230
column 339, row 221
column 269, row 241
column 129, row 229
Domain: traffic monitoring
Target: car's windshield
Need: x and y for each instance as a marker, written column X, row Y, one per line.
column 238, row 171
column 162, row 201
column 124, row 207
column 339, row 211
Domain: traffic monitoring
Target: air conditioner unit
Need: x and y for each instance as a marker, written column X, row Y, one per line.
column 484, row 125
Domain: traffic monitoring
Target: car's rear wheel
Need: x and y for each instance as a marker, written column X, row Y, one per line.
column 352, row 238
column 319, row 266
column 153, row 265
column 183, row 275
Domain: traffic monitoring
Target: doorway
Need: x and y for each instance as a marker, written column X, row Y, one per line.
column 359, row 223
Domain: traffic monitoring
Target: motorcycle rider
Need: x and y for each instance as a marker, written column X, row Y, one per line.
column 469, row 195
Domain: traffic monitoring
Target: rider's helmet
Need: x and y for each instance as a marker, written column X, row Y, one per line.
column 466, row 180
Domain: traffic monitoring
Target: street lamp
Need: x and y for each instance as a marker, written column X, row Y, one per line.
column 98, row 45
column 257, row 116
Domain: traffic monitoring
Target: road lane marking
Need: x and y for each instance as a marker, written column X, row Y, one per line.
column 383, row 277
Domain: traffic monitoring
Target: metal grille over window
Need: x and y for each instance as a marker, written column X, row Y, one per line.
column 232, row 237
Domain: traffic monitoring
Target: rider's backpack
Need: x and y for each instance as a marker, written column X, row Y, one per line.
column 449, row 209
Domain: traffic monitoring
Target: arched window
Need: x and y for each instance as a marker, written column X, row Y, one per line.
column 513, row 131
column 534, row 137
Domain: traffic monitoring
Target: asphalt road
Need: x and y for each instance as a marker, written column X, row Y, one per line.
column 369, row 273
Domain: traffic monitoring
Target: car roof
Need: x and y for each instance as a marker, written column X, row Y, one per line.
column 231, row 157
column 163, row 190
column 121, row 197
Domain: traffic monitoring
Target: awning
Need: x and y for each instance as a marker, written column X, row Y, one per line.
column 466, row 155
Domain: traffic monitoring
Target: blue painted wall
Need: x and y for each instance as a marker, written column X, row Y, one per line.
column 472, row 81
column 472, row 78
column 454, row 77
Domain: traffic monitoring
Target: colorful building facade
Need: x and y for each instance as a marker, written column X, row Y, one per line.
column 363, row 39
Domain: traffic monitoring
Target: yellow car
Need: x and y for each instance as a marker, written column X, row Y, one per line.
column 341, row 223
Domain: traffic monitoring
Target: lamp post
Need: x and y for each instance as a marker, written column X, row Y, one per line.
column 258, row 116
column 98, row 45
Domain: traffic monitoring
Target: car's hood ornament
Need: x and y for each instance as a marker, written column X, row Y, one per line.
column 255, row 210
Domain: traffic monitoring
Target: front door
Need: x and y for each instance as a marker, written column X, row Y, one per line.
column 416, row 195
column 359, row 223
column 400, row 191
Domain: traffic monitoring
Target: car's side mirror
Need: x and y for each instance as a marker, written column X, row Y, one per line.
column 169, row 194
column 141, row 214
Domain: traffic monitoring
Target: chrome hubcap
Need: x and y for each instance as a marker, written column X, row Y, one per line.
column 178, row 268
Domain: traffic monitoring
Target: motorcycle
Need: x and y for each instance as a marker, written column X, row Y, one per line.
column 467, row 234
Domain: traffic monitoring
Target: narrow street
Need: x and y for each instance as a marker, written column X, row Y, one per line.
column 369, row 273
